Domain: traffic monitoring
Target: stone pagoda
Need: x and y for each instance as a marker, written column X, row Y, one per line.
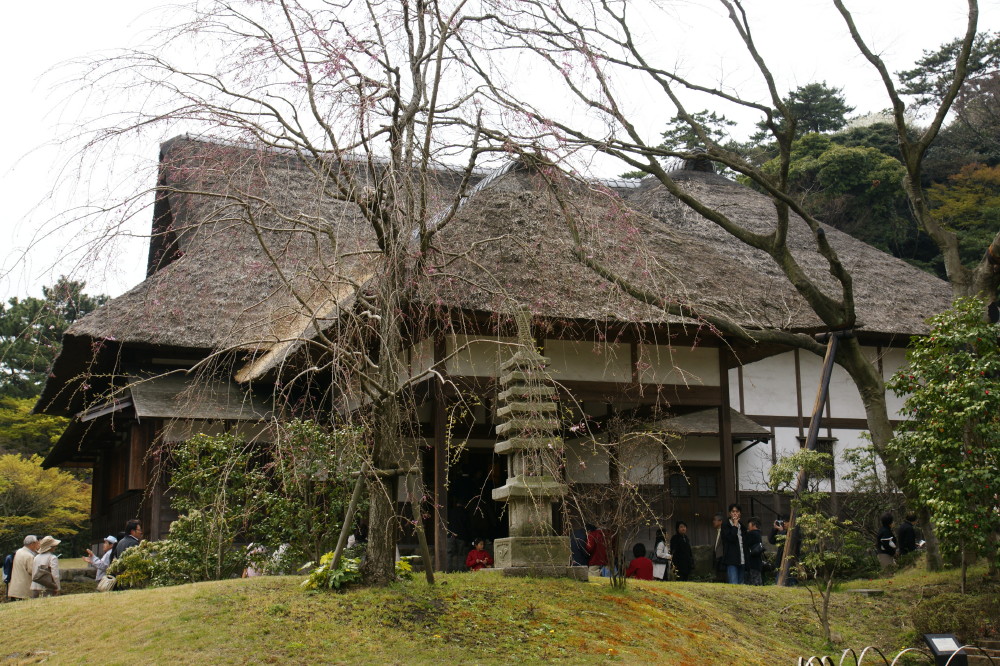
column 530, row 425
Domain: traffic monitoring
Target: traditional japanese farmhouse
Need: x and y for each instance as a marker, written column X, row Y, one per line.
column 252, row 262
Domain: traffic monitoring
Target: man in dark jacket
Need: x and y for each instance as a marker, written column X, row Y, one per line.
column 133, row 535
column 906, row 535
column 733, row 546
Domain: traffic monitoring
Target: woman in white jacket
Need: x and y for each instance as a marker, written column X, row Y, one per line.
column 661, row 558
column 102, row 562
column 45, row 558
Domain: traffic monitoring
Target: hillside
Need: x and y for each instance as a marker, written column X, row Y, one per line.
column 467, row 618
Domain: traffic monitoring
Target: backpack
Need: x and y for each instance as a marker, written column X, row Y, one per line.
column 8, row 567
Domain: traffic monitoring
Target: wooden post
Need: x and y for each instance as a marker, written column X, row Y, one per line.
column 349, row 515
column 792, row 540
column 726, row 453
column 418, row 524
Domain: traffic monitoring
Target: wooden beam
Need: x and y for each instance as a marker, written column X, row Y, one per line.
column 726, row 454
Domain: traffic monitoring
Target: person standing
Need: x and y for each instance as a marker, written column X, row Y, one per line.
column 906, row 535
column 719, row 549
column 20, row 575
column 45, row 569
column 661, row 557
column 733, row 546
column 578, row 547
column 597, row 546
column 133, row 535
column 680, row 546
column 754, row 553
column 885, row 544
column 101, row 562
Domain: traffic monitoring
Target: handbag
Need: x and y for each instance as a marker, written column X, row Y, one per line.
column 43, row 576
column 106, row 584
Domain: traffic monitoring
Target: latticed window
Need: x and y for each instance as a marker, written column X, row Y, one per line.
column 679, row 486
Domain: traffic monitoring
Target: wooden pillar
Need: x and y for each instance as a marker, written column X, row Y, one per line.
column 440, row 466
column 726, row 454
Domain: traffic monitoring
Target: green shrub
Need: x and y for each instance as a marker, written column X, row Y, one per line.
column 136, row 567
column 326, row 577
column 968, row 617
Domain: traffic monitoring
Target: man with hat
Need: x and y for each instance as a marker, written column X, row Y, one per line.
column 20, row 576
column 101, row 562
column 42, row 584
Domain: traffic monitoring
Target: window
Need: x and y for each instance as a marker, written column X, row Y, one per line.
column 679, row 486
column 708, row 485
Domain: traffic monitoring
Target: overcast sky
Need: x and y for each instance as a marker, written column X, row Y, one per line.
column 803, row 38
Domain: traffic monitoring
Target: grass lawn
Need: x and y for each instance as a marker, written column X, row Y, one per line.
column 466, row 618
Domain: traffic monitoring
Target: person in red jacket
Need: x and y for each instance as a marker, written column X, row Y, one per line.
column 640, row 567
column 478, row 558
column 597, row 546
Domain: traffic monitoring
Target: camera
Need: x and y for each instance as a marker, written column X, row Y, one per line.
column 779, row 523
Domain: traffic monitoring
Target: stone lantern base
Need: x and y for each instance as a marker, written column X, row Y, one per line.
column 534, row 556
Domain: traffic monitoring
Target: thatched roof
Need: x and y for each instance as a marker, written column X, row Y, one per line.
column 240, row 236
column 226, row 283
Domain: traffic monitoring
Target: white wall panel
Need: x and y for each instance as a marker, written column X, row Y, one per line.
column 587, row 462
column 663, row 364
column 769, row 386
column 695, row 449
column 477, row 356
column 893, row 360
column 589, row 361
column 643, row 461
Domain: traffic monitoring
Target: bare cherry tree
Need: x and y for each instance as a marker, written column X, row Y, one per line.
column 335, row 130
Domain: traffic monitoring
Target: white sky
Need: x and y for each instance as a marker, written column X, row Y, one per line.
column 804, row 41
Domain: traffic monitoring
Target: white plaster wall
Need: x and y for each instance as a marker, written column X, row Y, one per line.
column 893, row 360
column 411, row 456
column 845, row 401
column 477, row 356
column 643, row 461
column 768, row 386
column 587, row 462
column 846, row 440
column 752, row 467
column 663, row 364
column 695, row 449
column 589, row 361
column 421, row 357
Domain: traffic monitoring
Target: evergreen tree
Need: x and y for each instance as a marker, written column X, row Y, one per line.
column 31, row 331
